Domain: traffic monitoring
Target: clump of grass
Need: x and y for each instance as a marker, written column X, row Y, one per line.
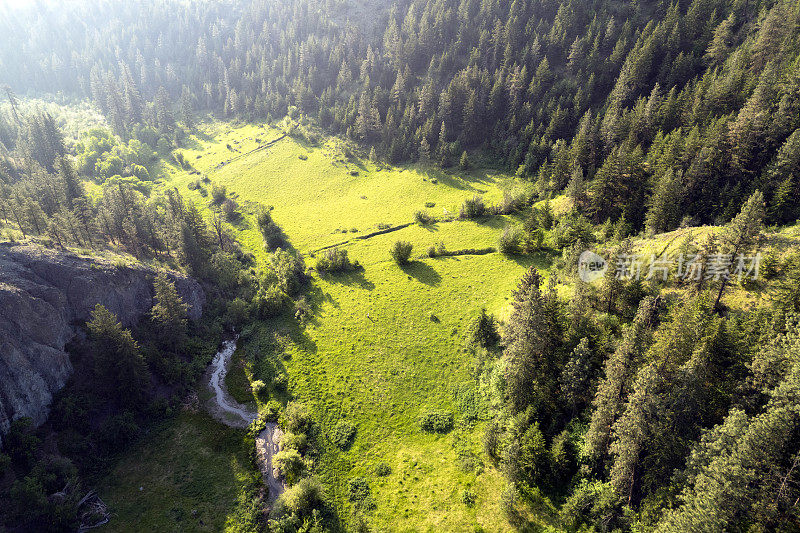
column 382, row 469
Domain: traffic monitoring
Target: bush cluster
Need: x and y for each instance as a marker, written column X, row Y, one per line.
column 343, row 435
column 335, row 260
column 436, row 421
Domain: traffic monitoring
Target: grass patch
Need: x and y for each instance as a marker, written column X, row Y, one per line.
column 184, row 476
column 371, row 354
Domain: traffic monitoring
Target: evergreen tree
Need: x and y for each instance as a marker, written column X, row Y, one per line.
column 119, row 368
column 169, row 311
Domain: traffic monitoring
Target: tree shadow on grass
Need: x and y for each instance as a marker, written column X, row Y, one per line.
column 423, row 273
column 352, row 278
column 540, row 260
column 491, row 221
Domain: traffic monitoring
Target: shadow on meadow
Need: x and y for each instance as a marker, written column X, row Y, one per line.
column 352, row 278
column 422, row 272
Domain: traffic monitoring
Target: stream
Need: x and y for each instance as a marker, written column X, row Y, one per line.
column 231, row 413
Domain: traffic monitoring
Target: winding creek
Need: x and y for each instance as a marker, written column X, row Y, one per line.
column 231, row 413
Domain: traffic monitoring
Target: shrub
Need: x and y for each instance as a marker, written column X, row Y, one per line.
column 510, row 241
column 280, row 382
column 301, row 499
column 343, row 434
column 294, row 441
column 258, row 387
column 230, row 210
column 295, row 418
column 382, row 469
column 510, row 203
column 357, row 489
column 302, row 310
column 472, row 208
column 290, row 463
column 235, row 314
column 468, row 498
column 334, row 260
column 218, row 194
column 118, row 431
column 571, row 229
column 273, row 236
column 430, row 204
column 270, row 301
column 423, row 218
column 401, row 252
column 289, row 269
column 436, row 421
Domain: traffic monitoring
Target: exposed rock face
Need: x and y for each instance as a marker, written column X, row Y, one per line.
column 44, row 297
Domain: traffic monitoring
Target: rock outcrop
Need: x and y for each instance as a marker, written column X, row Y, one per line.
column 44, row 297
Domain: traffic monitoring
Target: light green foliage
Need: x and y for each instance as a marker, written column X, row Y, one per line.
column 290, row 463
column 384, row 357
column 343, row 434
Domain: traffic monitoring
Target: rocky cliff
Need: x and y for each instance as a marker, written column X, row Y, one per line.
column 44, row 297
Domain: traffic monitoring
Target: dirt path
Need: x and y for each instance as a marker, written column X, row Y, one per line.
column 231, row 413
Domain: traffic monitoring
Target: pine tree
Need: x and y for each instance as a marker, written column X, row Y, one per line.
column 741, row 234
column 464, row 163
column 169, row 311
column 665, row 204
column 575, row 376
column 119, row 368
column 187, row 115
column 615, row 384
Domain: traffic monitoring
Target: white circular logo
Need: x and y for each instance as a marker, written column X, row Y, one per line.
column 591, row 266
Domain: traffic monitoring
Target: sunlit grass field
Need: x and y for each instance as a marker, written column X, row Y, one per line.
column 385, row 343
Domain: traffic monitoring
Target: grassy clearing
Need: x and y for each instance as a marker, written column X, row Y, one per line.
column 385, row 343
column 184, row 476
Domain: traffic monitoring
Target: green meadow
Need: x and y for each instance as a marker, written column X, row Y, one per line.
column 385, row 343
column 187, row 474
